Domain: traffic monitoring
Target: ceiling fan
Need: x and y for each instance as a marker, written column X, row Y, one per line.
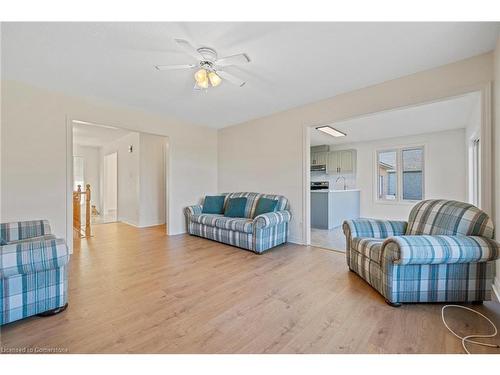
column 210, row 70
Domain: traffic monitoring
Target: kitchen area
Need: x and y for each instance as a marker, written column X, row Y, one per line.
column 334, row 196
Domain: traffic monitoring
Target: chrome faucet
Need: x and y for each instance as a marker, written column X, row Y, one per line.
column 341, row 177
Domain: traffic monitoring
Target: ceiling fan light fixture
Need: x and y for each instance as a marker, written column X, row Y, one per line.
column 203, row 84
column 201, row 76
column 331, row 131
column 215, row 80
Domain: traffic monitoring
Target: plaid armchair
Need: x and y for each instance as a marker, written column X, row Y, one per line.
column 257, row 234
column 33, row 271
column 444, row 253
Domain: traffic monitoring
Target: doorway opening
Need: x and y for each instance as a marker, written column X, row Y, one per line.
column 116, row 176
column 383, row 163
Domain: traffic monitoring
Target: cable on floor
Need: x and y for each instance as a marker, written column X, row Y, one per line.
column 467, row 339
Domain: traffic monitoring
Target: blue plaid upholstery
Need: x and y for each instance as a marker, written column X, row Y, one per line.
column 33, row 270
column 418, row 262
column 23, row 229
column 438, row 216
column 258, row 234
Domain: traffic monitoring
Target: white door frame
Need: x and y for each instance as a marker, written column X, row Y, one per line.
column 486, row 193
column 69, row 173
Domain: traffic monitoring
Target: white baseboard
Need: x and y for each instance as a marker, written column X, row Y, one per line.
column 295, row 240
column 496, row 287
column 128, row 223
column 150, row 225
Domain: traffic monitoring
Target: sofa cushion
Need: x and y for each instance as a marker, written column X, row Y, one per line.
column 251, row 201
column 38, row 238
column 253, row 198
column 282, row 201
column 265, row 205
column 368, row 247
column 232, row 223
column 213, row 204
column 449, row 218
column 235, row 207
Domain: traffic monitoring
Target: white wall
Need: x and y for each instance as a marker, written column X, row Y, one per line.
column 496, row 157
column 91, row 157
column 152, row 180
column 128, row 176
column 109, row 183
column 444, row 174
column 34, row 155
column 273, row 147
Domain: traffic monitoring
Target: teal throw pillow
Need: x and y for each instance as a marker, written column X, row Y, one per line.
column 236, row 207
column 213, row 205
column 265, row 205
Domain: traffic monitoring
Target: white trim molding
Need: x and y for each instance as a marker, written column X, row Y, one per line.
column 496, row 287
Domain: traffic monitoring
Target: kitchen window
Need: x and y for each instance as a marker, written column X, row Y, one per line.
column 400, row 174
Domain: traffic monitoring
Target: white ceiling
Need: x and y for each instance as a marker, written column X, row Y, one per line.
column 453, row 113
column 96, row 136
column 292, row 63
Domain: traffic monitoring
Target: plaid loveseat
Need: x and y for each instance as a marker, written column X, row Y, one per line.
column 33, row 270
column 256, row 234
column 444, row 253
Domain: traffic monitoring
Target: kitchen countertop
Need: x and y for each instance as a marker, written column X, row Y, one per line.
column 334, row 191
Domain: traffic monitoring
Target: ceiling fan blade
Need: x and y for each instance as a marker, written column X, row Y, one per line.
column 239, row 59
column 231, row 78
column 175, row 67
column 189, row 49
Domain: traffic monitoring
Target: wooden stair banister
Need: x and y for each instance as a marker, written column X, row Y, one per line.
column 87, row 211
column 77, row 199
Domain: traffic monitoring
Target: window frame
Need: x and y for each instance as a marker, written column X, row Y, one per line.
column 399, row 174
column 377, row 192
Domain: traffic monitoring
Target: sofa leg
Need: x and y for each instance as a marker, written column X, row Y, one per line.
column 393, row 304
column 53, row 311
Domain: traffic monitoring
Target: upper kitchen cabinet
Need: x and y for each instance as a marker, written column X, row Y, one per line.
column 343, row 161
column 319, row 155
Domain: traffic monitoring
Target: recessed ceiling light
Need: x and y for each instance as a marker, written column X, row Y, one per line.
column 330, row 131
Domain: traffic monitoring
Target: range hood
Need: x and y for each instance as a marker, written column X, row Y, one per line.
column 318, row 168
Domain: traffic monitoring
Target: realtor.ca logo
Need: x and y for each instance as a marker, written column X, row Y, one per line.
column 32, row 350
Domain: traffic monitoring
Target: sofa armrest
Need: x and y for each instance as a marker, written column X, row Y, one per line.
column 32, row 256
column 373, row 228
column 193, row 210
column 271, row 219
column 22, row 230
column 424, row 249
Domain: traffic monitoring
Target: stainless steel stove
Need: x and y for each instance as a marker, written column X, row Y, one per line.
column 320, row 185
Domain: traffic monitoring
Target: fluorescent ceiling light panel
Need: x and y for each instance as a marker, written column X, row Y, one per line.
column 330, row 131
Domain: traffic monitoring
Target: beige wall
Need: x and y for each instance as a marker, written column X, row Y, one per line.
column 272, row 147
column 33, row 153
column 152, row 180
column 496, row 153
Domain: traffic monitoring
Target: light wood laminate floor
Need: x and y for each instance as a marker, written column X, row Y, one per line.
column 140, row 291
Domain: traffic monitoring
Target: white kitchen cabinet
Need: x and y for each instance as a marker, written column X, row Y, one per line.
column 343, row 161
column 319, row 158
column 332, row 166
column 319, row 155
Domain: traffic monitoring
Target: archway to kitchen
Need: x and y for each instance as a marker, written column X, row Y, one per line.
column 379, row 165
